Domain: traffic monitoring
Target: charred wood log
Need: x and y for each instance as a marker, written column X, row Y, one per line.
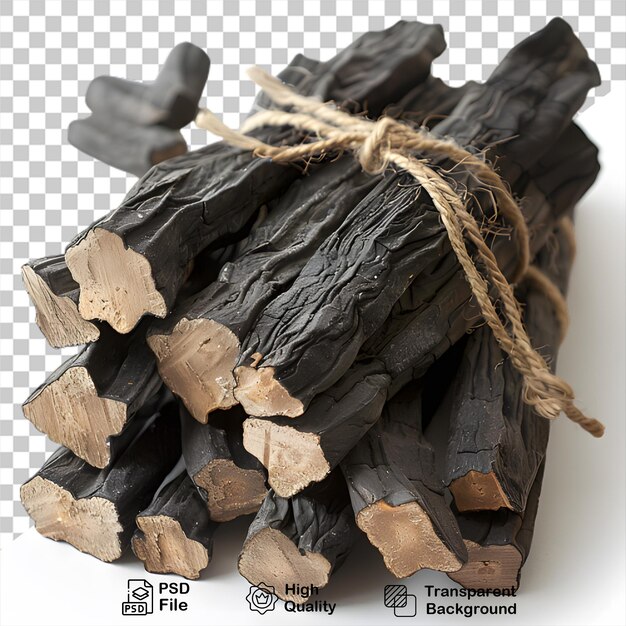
column 419, row 332
column 293, row 544
column 196, row 200
column 397, row 495
column 197, row 347
column 498, row 543
column 174, row 534
column 90, row 399
column 310, row 335
column 125, row 146
column 135, row 125
column 170, row 101
column 497, row 442
column 230, row 479
column 94, row 510
column 299, row 452
column 54, row 293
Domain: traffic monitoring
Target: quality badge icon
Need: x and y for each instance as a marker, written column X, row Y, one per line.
column 261, row 598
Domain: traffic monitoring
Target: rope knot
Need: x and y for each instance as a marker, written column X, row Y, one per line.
column 373, row 154
column 380, row 143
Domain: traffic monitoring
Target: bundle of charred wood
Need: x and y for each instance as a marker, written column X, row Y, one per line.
column 301, row 342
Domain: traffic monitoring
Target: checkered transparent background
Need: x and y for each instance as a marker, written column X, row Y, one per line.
column 51, row 49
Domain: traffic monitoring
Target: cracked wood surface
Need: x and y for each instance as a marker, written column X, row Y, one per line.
column 92, row 397
column 310, row 334
column 299, row 541
column 497, row 442
column 174, row 534
column 187, row 203
column 94, row 509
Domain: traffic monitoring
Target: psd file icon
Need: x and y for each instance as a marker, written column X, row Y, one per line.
column 139, row 599
column 403, row 603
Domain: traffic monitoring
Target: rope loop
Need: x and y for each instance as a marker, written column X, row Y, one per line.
column 378, row 144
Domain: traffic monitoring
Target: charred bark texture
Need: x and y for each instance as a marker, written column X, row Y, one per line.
column 174, row 534
column 310, row 335
column 300, row 541
column 92, row 397
column 230, row 479
column 497, row 442
column 94, row 510
column 193, row 201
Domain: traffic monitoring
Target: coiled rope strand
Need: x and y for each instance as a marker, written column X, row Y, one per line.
column 379, row 143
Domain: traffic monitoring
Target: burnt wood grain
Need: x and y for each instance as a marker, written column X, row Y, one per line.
column 497, row 442
column 229, row 478
column 174, row 534
column 300, row 541
column 94, row 509
column 309, row 336
column 92, row 396
column 196, row 200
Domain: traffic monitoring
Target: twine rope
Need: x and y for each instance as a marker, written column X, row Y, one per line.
column 377, row 144
column 541, row 282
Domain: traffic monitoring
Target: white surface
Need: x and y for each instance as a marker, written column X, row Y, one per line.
column 575, row 573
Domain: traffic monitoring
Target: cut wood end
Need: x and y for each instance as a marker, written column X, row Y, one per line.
column 70, row 412
column 57, row 316
column 164, row 547
column 406, row 539
column 196, row 361
column 270, row 557
column 261, row 395
column 91, row 525
column 479, row 492
column 489, row 567
column 231, row 490
column 116, row 283
column 293, row 459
